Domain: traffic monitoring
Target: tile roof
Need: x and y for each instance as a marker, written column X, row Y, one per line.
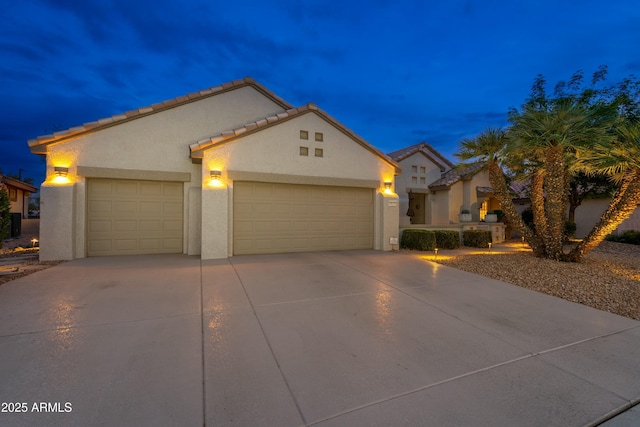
column 456, row 174
column 197, row 149
column 13, row 182
column 38, row 145
column 425, row 149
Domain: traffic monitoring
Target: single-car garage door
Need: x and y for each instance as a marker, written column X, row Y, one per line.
column 273, row 218
column 133, row 217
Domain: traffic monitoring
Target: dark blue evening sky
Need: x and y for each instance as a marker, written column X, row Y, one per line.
column 396, row 72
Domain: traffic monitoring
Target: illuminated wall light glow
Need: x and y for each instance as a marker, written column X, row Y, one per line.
column 215, row 178
column 61, row 175
column 387, row 187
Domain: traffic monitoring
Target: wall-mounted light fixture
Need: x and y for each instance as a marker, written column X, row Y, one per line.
column 61, row 171
column 387, row 187
column 215, row 178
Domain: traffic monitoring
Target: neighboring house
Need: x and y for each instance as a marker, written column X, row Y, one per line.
column 226, row 171
column 19, row 193
column 434, row 192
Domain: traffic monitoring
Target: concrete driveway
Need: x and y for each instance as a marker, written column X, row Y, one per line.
column 328, row 339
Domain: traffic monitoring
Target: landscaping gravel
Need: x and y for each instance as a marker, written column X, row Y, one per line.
column 608, row 278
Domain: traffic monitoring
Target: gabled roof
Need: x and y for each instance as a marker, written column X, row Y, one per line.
column 425, row 149
column 457, row 174
column 38, row 145
column 197, row 149
column 12, row 182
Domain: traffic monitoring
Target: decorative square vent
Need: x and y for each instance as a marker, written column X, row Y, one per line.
column 304, row 151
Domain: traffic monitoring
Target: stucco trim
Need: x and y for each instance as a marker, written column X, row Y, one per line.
column 301, row 179
column 146, row 175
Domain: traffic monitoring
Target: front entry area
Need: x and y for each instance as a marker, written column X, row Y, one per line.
column 276, row 218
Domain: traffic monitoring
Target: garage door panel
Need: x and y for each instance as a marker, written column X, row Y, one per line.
column 126, row 188
column 172, row 208
column 150, row 189
column 100, row 245
column 172, row 227
column 127, row 207
column 134, row 217
column 126, row 245
column 99, row 207
column 126, row 226
column 97, row 226
column 292, row 218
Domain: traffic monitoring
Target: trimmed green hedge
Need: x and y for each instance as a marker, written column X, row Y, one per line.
column 630, row 236
column 476, row 238
column 447, row 239
column 422, row 240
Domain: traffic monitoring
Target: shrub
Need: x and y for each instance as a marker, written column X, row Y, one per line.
column 527, row 217
column 5, row 213
column 630, row 236
column 447, row 239
column 422, row 240
column 570, row 229
column 499, row 214
column 476, row 238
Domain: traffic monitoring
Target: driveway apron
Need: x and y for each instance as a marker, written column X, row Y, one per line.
column 331, row 338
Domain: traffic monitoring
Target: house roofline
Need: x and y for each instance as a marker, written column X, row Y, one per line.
column 18, row 184
column 427, row 150
column 39, row 145
column 197, row 149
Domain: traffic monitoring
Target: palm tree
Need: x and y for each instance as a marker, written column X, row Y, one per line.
column 619, row 159
column 551, row 132
column 489, row 147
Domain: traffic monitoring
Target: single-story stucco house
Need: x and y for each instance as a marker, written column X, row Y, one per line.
column 19, row 192
column 230, row 170
column 433, row 191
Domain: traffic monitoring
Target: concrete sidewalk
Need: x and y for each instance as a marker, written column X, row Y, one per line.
column 334, row 338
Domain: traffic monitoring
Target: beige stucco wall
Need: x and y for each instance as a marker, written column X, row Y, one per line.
column 481, row 179
column 273, row 154
column 151, row 147
column 413, row 178
column 21, row 204
column 57, row 238
column 589, row 212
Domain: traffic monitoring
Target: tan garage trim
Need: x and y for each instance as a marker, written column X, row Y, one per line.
column 275, row 218
column 126, row 217
column 95, row 172
column 298, row 179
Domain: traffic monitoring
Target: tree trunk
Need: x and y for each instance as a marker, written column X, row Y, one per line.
column 575, row 200
column 500, row 188
column 555, row 206
column 539, row 215
column 624, row 202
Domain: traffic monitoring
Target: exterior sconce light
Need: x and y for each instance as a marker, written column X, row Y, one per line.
column 61, row 171
column 215, row 178
column 387, row 187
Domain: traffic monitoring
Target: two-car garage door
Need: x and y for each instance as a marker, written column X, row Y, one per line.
column 126, row 217
column 273, row 218
column 145, row 217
